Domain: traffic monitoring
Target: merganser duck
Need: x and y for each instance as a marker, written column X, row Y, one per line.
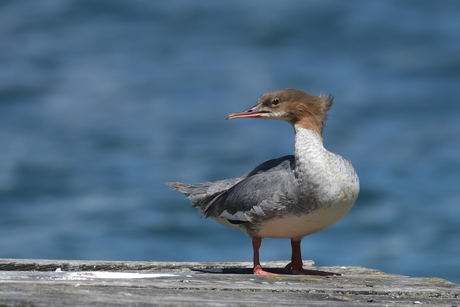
column 289, row 197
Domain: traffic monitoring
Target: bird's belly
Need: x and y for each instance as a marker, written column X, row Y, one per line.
column 293, row 226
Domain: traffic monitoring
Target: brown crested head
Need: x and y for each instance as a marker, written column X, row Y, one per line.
column 294, row 106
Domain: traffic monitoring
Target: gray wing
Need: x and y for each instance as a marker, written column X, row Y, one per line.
column 268, row 188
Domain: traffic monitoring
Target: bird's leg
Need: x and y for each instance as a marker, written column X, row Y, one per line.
column 256, row 242
column 296, row 262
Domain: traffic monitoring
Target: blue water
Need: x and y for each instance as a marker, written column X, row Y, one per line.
column 101, row 102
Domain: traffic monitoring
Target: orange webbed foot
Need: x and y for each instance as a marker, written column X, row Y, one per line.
column 259, row 271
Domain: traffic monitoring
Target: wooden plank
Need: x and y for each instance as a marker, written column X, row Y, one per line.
column 112, row 283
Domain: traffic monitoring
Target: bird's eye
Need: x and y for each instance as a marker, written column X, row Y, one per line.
column 275, row 102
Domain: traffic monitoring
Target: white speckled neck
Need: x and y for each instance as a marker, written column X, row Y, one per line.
column 307, row 135
column 309, row 147
column 312, row 161
column 323, row 175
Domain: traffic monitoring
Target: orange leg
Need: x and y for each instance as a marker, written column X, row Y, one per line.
column 256, row 242
column 296, row 262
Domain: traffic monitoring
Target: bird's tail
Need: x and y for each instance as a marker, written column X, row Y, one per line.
column 184, row 188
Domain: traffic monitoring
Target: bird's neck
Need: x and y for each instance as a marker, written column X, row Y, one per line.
column 309, row 153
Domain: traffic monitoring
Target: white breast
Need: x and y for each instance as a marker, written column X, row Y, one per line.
column 297, row 226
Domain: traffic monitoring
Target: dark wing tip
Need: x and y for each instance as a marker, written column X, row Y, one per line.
column 237, row 222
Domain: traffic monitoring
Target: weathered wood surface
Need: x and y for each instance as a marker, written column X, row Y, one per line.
column 110, row 283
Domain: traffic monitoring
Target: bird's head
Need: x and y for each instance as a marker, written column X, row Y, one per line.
column 294, row 106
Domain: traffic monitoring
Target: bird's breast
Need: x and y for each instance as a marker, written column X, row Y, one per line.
column 299, row 225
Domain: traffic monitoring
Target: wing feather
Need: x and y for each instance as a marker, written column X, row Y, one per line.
column 269, row 187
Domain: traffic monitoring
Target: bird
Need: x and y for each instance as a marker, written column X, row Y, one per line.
column 289, row 197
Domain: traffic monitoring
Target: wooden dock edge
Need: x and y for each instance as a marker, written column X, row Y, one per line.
column 151, row 283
